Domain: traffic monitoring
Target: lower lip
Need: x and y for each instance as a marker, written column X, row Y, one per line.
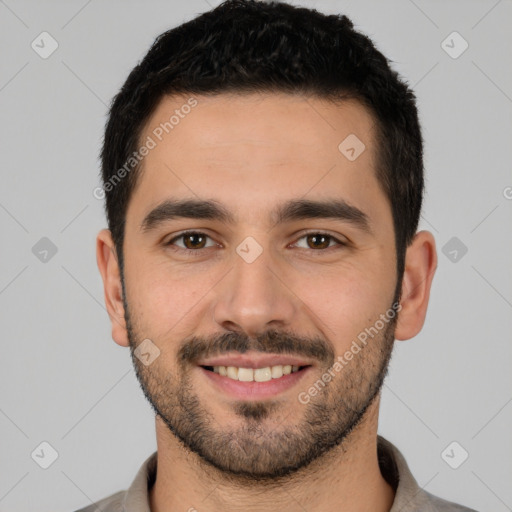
column 255, row 390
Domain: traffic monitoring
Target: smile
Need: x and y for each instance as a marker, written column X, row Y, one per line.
column 254, row 383
column 254, row 374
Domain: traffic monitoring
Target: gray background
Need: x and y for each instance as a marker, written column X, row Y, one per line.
column 64, row 381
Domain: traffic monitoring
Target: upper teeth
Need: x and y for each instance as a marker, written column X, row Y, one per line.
column 258, row 374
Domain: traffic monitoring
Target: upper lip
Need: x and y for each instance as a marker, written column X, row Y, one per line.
column 254, row 360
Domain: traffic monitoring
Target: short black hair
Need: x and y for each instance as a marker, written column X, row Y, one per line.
column 250, row 46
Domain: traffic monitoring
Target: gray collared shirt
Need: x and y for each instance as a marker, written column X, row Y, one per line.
column 409, row 497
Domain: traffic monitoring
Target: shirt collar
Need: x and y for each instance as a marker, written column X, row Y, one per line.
column 408, row 495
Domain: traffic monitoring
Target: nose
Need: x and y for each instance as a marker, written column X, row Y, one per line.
column 255, row 297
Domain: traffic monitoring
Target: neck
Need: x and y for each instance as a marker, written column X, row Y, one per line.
column 347, row 478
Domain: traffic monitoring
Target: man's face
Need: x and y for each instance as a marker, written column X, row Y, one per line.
column 301, row 287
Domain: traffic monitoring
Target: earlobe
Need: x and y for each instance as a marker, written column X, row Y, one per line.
column 108, row 266
column 420, row 266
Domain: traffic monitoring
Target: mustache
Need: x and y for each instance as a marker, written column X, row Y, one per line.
column 270, row 342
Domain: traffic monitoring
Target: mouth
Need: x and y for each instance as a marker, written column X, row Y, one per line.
column 254, row 383
column 264, row 374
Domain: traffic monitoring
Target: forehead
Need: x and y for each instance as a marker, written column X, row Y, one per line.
column 274, row 120
column 254, row 149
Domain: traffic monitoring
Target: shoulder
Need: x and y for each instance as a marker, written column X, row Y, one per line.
column 440, row 505
column 408, row 494
column 113, row 503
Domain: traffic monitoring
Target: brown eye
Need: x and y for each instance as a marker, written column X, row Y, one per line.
column 194, row 240
column 318, row 241
column 190, row 241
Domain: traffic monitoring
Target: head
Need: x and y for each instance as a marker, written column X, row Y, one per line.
column 284, row 143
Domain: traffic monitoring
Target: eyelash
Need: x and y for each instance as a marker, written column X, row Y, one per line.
column 190, row 252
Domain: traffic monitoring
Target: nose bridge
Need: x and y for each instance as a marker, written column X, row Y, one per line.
column 253, row 297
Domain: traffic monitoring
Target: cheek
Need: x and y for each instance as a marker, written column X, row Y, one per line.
column 345, row 301
column 167, row 299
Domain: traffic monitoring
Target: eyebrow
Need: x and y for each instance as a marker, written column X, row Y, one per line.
column 295, row 209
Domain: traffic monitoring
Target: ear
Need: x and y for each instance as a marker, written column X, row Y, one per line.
column 420, row 266
column 108, row 265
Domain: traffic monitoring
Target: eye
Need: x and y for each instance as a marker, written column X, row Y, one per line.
column 318, row 240
column 192, row 240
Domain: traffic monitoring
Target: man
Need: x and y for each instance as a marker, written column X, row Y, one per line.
column 263, row 175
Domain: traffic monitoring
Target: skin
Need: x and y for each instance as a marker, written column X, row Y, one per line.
column 251, row 153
